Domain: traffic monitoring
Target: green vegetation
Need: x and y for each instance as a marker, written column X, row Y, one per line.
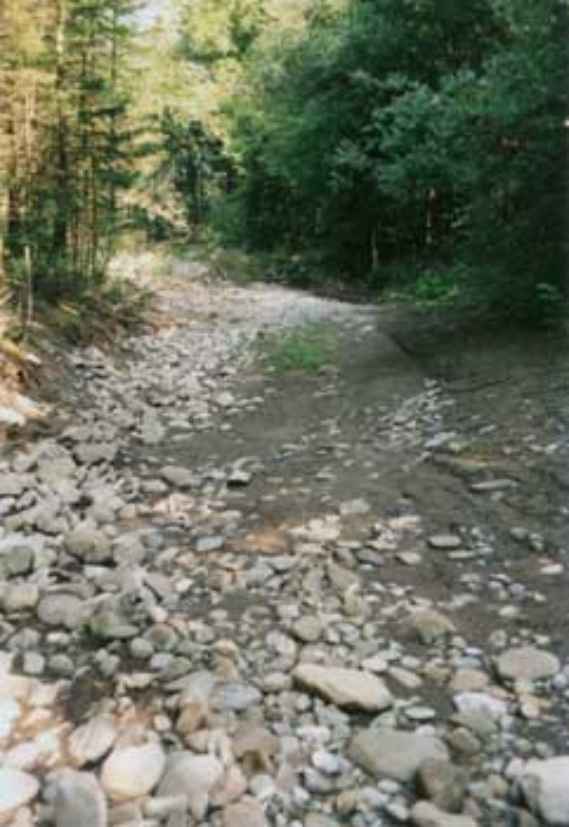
column 414, row 147
column 98, row 314
column 417, row 134
column 307, row 349
column 66, row 152
column 234, row 265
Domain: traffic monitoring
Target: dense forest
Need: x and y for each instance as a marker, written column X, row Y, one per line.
column 65, row 141
column 413, row 144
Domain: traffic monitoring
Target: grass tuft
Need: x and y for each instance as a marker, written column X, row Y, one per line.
column 308, row 349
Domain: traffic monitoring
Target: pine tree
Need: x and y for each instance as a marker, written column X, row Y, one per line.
column 63, row 138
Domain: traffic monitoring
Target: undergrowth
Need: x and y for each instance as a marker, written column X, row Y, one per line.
column 308, row 349
column 100, row 314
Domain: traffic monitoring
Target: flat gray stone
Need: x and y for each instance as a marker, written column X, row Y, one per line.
column 235, row 697
column 33, row 663
column 481, row 703
column 426, row 814
column 109, row 625
column 443, row 783
column 79, row 800
column 21, row 597
column 93, row 453
column 490, row 486
column 354, row 508
column 445, row 542
column 203, row 545
column 12, row 485
column 197, row 686
column 178, row 476
column 469, row 680
column 545, row 786
column 89, row 544
column 18, row 560
column 389, row 753
column 527, row 664
column 477, row 722
column 194, row 776
column 61, row 608
column 245, row 813
column 431, row 626
column 410, row 558
column 91, row 741
column 308, row 629
column 349, row 688
column 54, row 465
column 341, row 577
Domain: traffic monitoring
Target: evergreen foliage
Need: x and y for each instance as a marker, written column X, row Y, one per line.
column 66, row 142
column 195, row 163
column 397, row 142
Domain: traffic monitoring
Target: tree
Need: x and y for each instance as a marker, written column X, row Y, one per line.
column 26, row 81
column 415, row 131
column 194, row 161
column 63, row 139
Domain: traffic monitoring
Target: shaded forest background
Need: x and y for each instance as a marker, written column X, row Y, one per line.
column 409, row 145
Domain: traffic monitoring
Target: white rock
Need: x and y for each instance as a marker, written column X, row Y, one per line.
column 178, row 476
column 16, row 686
column 247, row 813
column 328, row 762
column 375, row 664
column 163, row 807
column 354, row 507
column 234, row 786
column 49, row 742
column 10, row 711
column 24, row 756
column 195, row 776
column 527, row 664
column 21, row 597
column 262, row 786
column 23, row 818
column 60, row 608
column 79, row 800
column 8, row 416
column 17, row 788
column 93, row 740
column 445, row 542
column 481, row 702
column 489, row 486
column 130, row 772
column 545, row 786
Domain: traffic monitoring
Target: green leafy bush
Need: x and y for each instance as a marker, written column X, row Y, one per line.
column 419, row 131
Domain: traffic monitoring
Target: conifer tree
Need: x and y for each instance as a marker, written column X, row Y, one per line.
column 63, row 139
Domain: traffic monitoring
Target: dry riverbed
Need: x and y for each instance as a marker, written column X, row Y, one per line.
column 239, row 597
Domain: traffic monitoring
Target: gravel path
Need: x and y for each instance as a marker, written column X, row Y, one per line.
column 237, row 598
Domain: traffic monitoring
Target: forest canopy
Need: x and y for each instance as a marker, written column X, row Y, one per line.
column 406, row 138
column 391, row 142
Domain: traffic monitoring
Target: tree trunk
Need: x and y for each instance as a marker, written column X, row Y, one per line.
column 60, row 227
